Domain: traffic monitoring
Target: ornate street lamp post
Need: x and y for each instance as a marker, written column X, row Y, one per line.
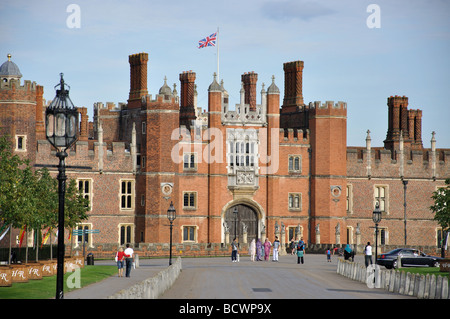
column 61, row 121
column 376, row 217
column 235, row 212
column 171, row 215
column 405, row 183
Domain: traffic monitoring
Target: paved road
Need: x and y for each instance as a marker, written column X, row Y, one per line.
column 219, row 278
column 112, row 285
column 211, row 278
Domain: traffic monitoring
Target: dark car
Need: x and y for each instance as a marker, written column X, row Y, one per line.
column 409, row 258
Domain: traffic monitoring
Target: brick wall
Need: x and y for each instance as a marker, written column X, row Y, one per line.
column 317, row 127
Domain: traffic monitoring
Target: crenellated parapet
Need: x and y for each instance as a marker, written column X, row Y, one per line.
column 92, row 155
column 164, row 100
column 110, row 115
column 328, row 108
column 371, row 162
column 13, row 92
column 294, row 136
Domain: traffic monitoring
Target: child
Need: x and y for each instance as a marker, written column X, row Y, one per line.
column 329, row 255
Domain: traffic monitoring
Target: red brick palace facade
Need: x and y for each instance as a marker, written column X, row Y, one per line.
column 283, row 165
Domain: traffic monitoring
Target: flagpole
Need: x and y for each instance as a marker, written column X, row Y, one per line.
column 218, row 77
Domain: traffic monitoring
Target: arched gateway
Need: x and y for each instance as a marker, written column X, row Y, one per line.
column 246, row 215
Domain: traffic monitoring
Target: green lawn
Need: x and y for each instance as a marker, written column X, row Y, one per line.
column 45, row 288
column 425, row 270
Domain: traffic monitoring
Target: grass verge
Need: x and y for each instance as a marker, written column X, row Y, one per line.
column 45, row 288
column 425, row 270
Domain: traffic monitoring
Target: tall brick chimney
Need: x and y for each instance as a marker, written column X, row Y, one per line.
column 249, row 79
column 187, row 105
column 415, row 129
column 294, row 113
column 138, row 79
column 293, row 82
column 40, row 126
column 84, row 129
column 398, row 121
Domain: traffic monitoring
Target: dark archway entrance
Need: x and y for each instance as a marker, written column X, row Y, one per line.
column 246, row 215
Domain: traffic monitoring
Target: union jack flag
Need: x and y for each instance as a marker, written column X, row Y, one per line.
column 208, row 41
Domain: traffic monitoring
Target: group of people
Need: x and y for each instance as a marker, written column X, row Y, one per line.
column 261, row 251
column 257, row 249
column 125, row 258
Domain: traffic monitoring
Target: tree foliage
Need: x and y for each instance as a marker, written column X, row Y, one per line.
column 441, row 207
column 15, row 178
column 30, row 198
column 441, row 210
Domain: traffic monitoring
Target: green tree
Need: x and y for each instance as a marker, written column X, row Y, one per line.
column 16, row 180
column 30, row 198
column 47, row 193
column 76, row 206
column 441, row 209
column 46, row 203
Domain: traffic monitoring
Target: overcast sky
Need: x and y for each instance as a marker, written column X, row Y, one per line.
column 349, row 55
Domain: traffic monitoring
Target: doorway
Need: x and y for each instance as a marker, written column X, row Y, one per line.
column 246, row 215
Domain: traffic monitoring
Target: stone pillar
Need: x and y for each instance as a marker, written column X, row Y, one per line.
column 338, row 234
column 244, row 233
column 263, row 232
column 358, row 238
column 244, row 238
column 227, row 238
column 317, row 234
column 227, row 233
column 282, row 241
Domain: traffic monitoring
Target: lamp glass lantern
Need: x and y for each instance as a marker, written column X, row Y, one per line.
column 171, row 213
column 61, row 119
column 376, row 215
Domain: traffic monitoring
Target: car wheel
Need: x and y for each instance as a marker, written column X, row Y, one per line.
column 395, row 264
column 435, row 263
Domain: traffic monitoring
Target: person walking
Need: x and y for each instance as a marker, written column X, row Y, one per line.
column 267, row 245
column 234, row 250
column 347, row 252
column 252, row 250
column 276, row 247
column 368, row 254
column 300, row 253
column 292, row 246
column 129, row 259
column 120, row 258
column 258, row 249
